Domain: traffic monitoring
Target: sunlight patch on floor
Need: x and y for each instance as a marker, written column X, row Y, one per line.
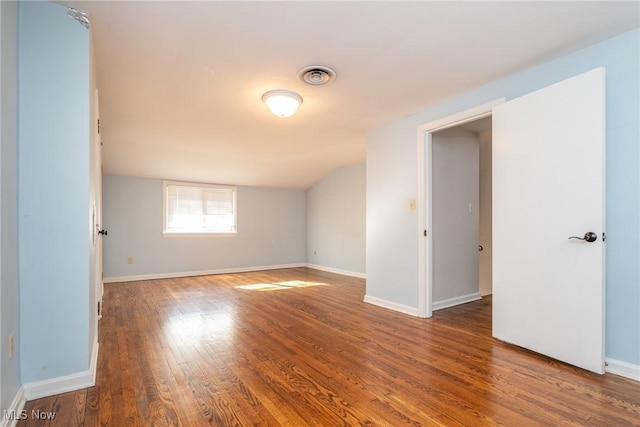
column 201, row 327
column 280, row 285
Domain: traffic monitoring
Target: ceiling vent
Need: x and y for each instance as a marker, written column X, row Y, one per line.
column 317, row 75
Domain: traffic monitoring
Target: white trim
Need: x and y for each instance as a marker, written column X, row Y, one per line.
column 77, row 381
column 16, row 407
column 424, row 227
column 424, row 194
column 337, row 271
column 623, row 369
column 412, row 311
column 93, row 365
column 230, row 271
column 199, row 273
column 446, row 303
column 50, row 387
column 462, row 117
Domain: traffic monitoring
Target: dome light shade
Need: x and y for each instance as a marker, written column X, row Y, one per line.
column 282, row 103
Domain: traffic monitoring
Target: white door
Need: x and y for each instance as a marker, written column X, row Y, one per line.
column 98, row 207
column 548, row 185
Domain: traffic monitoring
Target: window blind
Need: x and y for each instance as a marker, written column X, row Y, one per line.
column 200, row 209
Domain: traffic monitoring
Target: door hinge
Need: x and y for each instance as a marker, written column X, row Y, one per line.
column 604, row 237
column 425, row 233
column 99, row 308
column 98, row 126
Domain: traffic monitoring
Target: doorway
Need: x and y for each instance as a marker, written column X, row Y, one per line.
column 461, row 213
column 425, row 190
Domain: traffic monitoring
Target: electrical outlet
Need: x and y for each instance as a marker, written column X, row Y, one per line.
column 12, row 344
column 130, row 260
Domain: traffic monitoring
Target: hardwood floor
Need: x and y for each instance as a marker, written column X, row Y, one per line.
column 206, row 351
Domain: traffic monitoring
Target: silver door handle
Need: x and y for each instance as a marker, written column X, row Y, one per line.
column 588, row 237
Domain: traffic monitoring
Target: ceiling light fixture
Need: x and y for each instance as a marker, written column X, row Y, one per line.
column 282, row 103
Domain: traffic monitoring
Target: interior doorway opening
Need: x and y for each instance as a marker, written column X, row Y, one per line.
column 461, row 213
column 425, row 192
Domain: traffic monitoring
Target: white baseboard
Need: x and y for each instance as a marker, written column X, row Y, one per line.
column 623, row 369
column 412, row 311
column 50, row 387
column 446, row 303
column 199, row 273
column 93, row 365
column 337, row 271
column 17, row 405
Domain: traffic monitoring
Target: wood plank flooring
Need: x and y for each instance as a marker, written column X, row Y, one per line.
column 298, row 347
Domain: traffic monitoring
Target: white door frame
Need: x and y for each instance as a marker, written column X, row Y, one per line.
column 425, row 255
column 97, row 209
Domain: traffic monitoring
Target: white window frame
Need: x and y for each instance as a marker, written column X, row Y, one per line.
column 166, row 184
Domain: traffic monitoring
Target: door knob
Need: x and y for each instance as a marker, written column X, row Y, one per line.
column 103, row 232
column 588, row 237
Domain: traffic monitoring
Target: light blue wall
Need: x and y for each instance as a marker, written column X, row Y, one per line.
column 392, row 178
column 336, row 220
column 271, row 232
column 54, row 103
column 9, row 277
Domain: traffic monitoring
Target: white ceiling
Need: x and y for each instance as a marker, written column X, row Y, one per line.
column 181, row 82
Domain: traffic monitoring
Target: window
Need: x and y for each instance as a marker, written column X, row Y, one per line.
column 191, row 208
